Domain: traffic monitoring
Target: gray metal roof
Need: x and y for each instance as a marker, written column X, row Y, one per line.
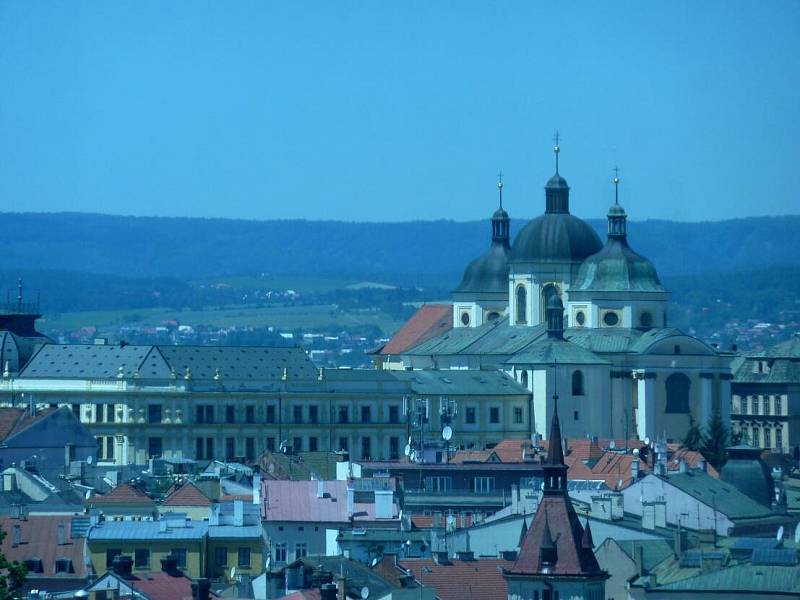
column 146, row 530
column 235, row 531
column 547, row 351
column 743, row 578
column 719, row 495
column 654, row 552
column 457, row 382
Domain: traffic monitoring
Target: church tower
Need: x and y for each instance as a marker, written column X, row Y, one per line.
column 482, row 295
column 556, row 556
column 547, row 253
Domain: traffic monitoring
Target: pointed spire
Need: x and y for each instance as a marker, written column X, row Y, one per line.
column 557, row 148
column 500, row 221
column 500, row 187
column 616, row 214
column 524, row 530
column 587, row 543
column 555, row 450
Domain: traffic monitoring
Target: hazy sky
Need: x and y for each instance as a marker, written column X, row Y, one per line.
column 398, row 110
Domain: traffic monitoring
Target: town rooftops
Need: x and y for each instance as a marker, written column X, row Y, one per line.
column 38, row 546
column 186, row 494
column 719, row 495
column 773, row 580
column 16, row 420
column 124, row 494
column 458, row 579
column 165, row 529
column 430, row 320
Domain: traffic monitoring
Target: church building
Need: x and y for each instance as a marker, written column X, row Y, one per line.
column 560, row 310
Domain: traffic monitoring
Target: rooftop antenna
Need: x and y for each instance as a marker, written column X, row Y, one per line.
column 557, row 148
column 500, row 187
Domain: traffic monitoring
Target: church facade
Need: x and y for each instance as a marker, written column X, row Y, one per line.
column 618, row 366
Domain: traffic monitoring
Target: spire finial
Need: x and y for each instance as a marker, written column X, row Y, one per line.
column 616, row 185
column 500, row 187
column 557, row 148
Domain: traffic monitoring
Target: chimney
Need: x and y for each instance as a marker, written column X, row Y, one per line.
column 351, row 501
column 465, row 555
column 257, row 489
column 701, row 464
column 639, row 558
column 169, row 564
column 122, row 565
column 201, row 589
column 340, row 591
column 510, row 555
column 320, row 488
column 384, row 507
column 682, row 466
column 635, row 469
column 441, row 557
column 62, row 538
column 327, row 591
column 17, row 535
column 678, row 542
column 238, row 513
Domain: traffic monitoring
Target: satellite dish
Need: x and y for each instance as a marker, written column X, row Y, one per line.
column 636, row 452
column 407, row 450
column 447, row 433
column 647, row 441
column 612, row 444
column 779, row 535
column 364, row 593
column 374, row 561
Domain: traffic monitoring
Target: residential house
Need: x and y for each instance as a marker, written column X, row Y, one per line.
column 125, row 501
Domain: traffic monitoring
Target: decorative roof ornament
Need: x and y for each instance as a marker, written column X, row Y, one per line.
column 557, row 148
column 6, row 370
column 321, row 376
column 500, row 187
column 121, row 373
column 217, row 374
column 616, row 184
column 285, row 375
column 188, row 374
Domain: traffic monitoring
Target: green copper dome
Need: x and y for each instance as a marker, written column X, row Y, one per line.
column 617, row 268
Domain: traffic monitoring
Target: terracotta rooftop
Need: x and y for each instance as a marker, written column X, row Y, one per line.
column 39, row 539
column 302, row 595
column 16, row 420
column 161, row 586
column 429, row 321
column 186, row 494
column 461, row 579
column 124, row 494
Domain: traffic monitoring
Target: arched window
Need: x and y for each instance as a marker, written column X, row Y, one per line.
column 523, row 379
column 677, row 386
column 577, row 383
column 548, row 291
column 522, row 304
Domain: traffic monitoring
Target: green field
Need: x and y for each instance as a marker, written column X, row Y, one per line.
column 280, row 317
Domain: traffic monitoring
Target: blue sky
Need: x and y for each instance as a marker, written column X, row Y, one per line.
column 394, row 111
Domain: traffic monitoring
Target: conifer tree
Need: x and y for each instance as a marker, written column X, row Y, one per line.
column 716, row 439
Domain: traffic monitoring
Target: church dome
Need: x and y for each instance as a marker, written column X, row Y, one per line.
column 487, row 273
column 555, row 237
column 617, row 268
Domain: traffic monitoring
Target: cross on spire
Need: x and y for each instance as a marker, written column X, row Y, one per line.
column 557, row 148
column 616, row 185
column 500, row 187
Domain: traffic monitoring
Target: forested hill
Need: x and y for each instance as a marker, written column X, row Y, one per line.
column 187, row 248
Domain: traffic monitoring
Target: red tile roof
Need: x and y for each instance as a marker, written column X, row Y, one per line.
column 186, row 494
column 429, row 321
column 15, row 420
column 461, row 578
column 39, row 538
column 123, row 494
column 162, row 586
column 303, row 595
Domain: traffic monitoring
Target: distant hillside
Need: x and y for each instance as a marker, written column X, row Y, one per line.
column 195, row 248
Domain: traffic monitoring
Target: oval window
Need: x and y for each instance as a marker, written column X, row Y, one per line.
column 492, row 316
column 611, row 319
column 580, row 318
column 465, row 318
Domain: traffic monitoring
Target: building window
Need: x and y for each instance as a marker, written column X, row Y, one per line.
column 110, row 554
column 210, row 413
column 366, row 414
column 230, row 448
column 199, row 415
column 494, row 415
column 313, row 444
column 270, row 414
column 230, row 414
column 221, row 556
column 250, row 414
column 155, row 447
column 577, row 383
column 492, row 316
column 366, row 447
column 610, row 319
column 344, row 414
column 297, row 444
column 438, row 484
column 300, row 550
column 271, row 444
column 580, row 318
column 676, row 349
column 313, row 414
column 297, row 414
column 522, row 302
column 677, row 386
column 465, row 319
column 756, row 438
column 250, row 448
column 394, row 448
column 280, row 553
column 749, row 405
column 484, row 485
column 244, row 558
column 109, row 447
column 154, row 413
column 343, row 444
column 517, row 415
column 778, row 407
column 180, row 554
column 107, row 413
column 779, row 438
column 394, row 414
column 198, row 448
column 574, row 415
column 767, row 437
column 469, row 417
column 64, row 565
column 209, row 448
column 76, row 410
column 141, row 558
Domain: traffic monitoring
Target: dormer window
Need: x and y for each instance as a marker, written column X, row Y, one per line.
column 34, row 565
column 64, row 565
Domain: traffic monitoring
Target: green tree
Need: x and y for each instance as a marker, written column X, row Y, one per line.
column 12, row 575
column 716, row 439
column 694, row 437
